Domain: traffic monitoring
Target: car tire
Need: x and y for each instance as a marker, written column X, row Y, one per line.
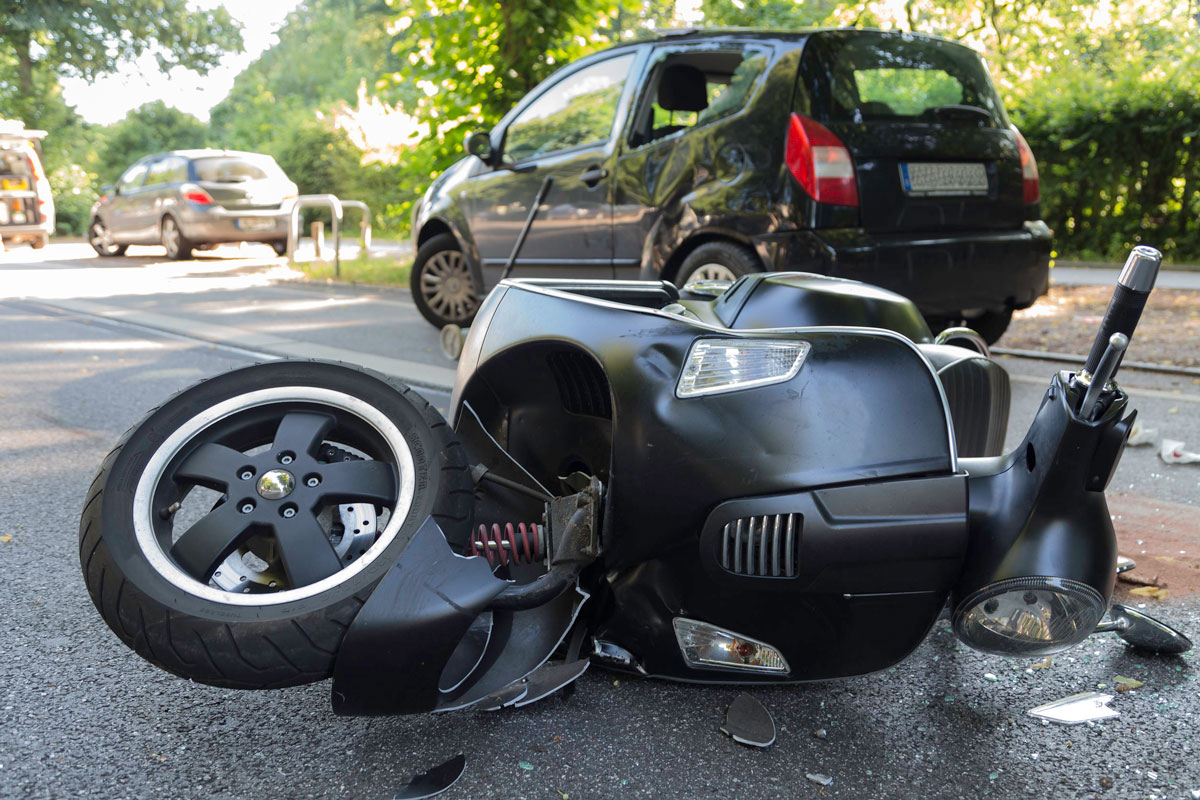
column 442, row 287
column 280, row 247
column 40, row 242
column 991, row 325
column 718, row 261
column 99, row 239
column 177, row 245
column 166, row 601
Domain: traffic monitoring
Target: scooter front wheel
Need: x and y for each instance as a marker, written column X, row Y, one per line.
column 234, row 533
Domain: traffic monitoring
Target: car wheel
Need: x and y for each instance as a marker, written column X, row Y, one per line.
column 101, row 240
column 280, row 247
column 40, row 242
column 442, row 287
column 991, row 325
column 176, row 244
column 234, row 533
column 718, row 261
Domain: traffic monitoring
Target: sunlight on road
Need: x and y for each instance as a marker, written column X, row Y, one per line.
column 66, row 271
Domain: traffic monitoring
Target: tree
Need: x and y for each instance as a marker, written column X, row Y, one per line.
column 87, row 38
column 145, row 130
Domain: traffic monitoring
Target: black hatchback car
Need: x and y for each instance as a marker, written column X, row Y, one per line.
column 881, row 157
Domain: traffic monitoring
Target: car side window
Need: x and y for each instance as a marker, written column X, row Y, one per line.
column 688, row 88
column 577, row 110
column 132, row 179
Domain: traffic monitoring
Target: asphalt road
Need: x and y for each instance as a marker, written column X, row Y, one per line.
column 82, row 716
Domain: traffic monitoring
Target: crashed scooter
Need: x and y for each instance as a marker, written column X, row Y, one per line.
column 781, row 480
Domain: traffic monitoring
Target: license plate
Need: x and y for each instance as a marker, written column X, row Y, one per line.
column 929, row 179
column 256, row 223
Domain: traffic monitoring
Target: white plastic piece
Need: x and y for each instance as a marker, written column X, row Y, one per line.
column 1076, row 709
column 1172, row 452
column 1140, row 436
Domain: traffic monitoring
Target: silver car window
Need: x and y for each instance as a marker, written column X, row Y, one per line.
column 577, row 110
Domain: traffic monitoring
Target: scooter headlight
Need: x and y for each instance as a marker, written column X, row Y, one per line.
column 1028, row 616
column 714, row 366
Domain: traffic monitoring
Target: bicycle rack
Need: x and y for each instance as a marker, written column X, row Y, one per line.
column 336, row 207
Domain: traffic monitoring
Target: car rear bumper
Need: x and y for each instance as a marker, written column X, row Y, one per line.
column 22, row 233
column 943, row 273
column 225, row 225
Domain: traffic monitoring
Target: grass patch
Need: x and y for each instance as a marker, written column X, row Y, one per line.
column 380, row 271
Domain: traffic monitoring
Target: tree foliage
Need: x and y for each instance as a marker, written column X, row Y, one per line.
column 149, row 129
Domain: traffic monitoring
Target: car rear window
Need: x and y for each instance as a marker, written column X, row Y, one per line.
column 237, row 169
column 876, row 77
column 14, row 162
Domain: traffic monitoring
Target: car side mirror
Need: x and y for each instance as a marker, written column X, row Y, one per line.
column 479, row 144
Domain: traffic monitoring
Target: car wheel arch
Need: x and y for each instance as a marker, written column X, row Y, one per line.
column 670, row 269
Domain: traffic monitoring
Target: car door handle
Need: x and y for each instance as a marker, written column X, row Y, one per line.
column 593, row 175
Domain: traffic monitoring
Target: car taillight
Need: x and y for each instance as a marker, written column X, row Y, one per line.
column 1029, row 172
column 194, row 194
column 820, row 162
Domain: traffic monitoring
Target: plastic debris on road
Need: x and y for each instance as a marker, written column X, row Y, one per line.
column 1125, row 684
column 1076, row 709
column 817, row 777
column 1140, row 436
column 749, row 722
column 434, row 781
column 1172, row 452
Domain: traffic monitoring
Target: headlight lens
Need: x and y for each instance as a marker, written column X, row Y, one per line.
column 1028, row 616
column 706, row 646
column 727, row 365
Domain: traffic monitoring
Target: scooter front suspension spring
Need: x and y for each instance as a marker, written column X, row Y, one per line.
column 519, row 544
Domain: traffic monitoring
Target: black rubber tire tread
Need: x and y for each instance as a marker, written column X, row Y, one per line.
column 186, row 245
column 263, row 654
column 740, row 259
column 443, row 241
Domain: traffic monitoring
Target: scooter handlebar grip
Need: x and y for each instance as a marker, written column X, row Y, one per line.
column 1128, row 301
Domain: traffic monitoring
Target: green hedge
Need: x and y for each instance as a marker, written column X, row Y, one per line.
column 1120, row 161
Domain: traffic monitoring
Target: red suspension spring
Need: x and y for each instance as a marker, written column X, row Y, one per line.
column 520, row 544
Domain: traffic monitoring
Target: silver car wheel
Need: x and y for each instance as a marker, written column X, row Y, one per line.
column 712, row 272
column 170, row 236
column 446, row 286
column 100, row 239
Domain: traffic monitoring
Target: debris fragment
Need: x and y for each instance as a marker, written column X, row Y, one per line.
column 987, row 676
column 1141, row 436
column 1045, row 663
column 6, row 538
column 1125, row 684
column 434, row 781
column 1157, row 592
column 1106, row 782
column 1076, row 709
column 749, row 722
column 1138, row 580
column 816, row 777
column 1172, row 452
column 821, row 733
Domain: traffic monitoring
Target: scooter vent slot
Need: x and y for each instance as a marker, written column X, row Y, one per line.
column 582, row 387
column 766, row 546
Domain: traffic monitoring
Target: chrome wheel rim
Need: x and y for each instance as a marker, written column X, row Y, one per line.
column 712, row 272
column 446, row 286
column 100, row 238
column 170, row 236
column 260, row 544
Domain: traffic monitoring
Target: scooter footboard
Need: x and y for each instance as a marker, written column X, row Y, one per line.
column 426, row 641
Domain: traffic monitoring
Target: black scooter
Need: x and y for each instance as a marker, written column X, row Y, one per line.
column 784, row 479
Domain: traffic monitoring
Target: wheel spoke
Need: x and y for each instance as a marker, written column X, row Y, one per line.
column 212, row 465
column 204, row 545
column 307, row 554
column 302, row 432
column 359, row 482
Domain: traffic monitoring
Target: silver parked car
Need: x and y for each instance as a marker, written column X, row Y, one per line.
column 194, row 199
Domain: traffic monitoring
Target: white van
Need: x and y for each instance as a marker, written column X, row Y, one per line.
column 26, row 205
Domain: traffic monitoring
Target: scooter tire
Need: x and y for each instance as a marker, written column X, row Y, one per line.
column 267, row 638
